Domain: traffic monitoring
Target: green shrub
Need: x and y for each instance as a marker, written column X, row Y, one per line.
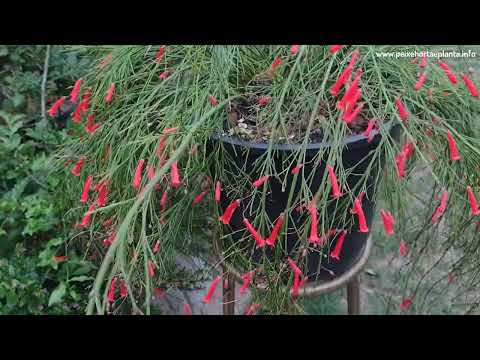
column 30, row 226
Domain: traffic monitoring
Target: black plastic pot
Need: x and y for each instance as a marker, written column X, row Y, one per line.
column 357, row 153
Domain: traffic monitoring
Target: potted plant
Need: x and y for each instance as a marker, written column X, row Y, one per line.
column 281, row 149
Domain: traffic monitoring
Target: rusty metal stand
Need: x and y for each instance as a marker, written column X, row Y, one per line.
column 351, row 279
column 228, row 294
column 353, row 296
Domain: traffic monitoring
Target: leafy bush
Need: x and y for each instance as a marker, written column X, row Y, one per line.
column 30, row 229
column 41, row 285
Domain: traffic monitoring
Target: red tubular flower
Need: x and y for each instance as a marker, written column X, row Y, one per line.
column 335, row 254
column 297, row 169
column 75, row 91
column 402, row 112
column 405, row 304
column 163, row 201
column 90, row 127
column 85, row 104
column 218, row 191
column 53, row 111
column 102, row 194
column 86, row 189
column 400, row 161
column 151, row 268
column 212, row 100
column 388, row 221
column 350, row 105
column 473, row 202
column 276, row 228
column 312, row 208
column 351, row 92
column 408, row 150
column 227, row 215
column 208, row 297
column 160, row 53
column 247, row 279
column 170, row 130
column 349, row 118
column 354, row 58
column 448, row 72
column 162, row 144
column 110, row 239
column 187, row 310
column 252, row 309
column 123, row 290
column 454, row 155
column 357, row 209
column 111, row 292
column 260, row 182
column 137, row 178
column 293, row 265
column 294, row 49
column 296, row 285
column 259, row 240
column 336, row 193
column 110, row 92
column 342, row 79
column 199, row 197
column 441, row 208
column 164, row 75
column 368, row 130
column 176, row 182
column 263, row 101
column 420, row 81
column 470, row 85
column 88, row 214
column 334, row 48
column 77, row 115
column 423, row 61
column 156, row 247
column 275, row 64
column 403, row 248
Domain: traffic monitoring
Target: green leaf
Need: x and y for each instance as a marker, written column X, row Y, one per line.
column 18, row 99
column 57, row 294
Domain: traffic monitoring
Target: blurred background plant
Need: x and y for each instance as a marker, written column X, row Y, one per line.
column 32, row 280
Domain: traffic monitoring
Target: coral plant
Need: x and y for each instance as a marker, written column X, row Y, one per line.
column 148, row 167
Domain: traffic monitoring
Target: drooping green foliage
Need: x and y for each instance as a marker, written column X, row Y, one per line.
column 177, row 92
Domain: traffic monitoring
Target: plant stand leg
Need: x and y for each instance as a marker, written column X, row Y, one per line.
column 228, row 294
column 353, row 296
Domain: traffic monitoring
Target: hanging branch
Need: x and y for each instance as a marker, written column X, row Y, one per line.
column 44, row 83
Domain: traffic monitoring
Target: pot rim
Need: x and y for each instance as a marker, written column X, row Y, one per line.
column 351, row 141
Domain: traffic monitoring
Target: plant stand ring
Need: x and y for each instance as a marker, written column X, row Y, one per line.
column 350, row 279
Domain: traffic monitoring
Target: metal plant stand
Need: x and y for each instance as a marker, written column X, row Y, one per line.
column 350, row 280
